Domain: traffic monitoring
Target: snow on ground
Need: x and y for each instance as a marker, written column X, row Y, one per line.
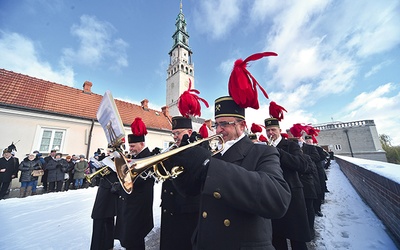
column 62, row 220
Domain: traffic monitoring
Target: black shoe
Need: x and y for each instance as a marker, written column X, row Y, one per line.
column 319, row 214
column 327, row 191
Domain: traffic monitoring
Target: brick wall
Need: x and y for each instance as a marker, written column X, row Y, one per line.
column 380, row 193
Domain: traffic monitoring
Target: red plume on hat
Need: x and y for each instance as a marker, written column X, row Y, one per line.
column 297, row 129
column 313, row 132
column 276, row 111
column 284, row 135
column 138, row 127
column 255, row 128
column 262, row 138
column 203, row 131
column 189, row 102
column 242, row 85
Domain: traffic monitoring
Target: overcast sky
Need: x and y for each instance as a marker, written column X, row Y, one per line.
column 337, row 60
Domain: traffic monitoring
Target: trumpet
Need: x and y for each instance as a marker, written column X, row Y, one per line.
column 102, row 171
column 129, row 171
column 270, row 141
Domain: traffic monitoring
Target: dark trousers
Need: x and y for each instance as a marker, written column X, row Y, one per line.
column 4, row 188
column 103, row 234
column 55, row 186
column 139, row 245
column 310, row 215
column 280, row 243
column 44, row 179
column 317, row 203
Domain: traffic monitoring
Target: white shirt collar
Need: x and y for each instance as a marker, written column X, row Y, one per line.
column 277, row 141
column 229, row 144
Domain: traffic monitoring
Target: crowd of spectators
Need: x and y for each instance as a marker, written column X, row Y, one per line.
column 60, row 172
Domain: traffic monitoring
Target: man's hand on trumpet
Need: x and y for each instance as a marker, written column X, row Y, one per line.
column 195, row 161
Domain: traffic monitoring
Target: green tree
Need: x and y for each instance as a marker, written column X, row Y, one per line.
column 392, row 152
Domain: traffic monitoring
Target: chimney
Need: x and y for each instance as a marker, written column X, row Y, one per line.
column 165, row 111
column 87, row 87
column 145, row 104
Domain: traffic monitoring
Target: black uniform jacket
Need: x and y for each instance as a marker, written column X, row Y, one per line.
column 105, row 202
column 294, row 224
column 312, row 151
column 179, row 216
column 136, row 219
column 243, row 190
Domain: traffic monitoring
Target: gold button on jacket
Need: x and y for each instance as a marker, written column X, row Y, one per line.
column 217, row 195
column 227, row 222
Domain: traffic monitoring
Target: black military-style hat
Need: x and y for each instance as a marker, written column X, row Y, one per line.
column 139, row 131
column 226, row 106
column 271, row 122
column 307, row 137
column 252, row 136
column 133, row 138
column 181, row 122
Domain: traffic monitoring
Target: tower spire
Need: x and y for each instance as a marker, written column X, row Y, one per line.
column 181, row 69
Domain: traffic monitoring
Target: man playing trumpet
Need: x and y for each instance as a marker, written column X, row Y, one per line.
column 135, row 218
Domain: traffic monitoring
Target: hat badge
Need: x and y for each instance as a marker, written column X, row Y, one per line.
column 218, row 107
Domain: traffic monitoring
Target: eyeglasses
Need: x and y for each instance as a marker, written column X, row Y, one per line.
column 223, row 124
column 177, row 133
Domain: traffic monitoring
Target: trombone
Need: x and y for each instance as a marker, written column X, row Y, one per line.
column 128, row 171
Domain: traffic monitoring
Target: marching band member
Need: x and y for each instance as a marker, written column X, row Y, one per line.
column 242, row 188
column 294, row 224
column 179, row 214
column 104, row 212
column 135, row 220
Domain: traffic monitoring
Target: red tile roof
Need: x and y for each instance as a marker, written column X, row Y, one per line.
column 22, row 91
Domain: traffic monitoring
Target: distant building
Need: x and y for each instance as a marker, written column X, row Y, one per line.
column 41, row 115
column 180, row 70
column 358, row 139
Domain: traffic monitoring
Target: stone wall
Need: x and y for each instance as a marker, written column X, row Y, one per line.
column 380, row 193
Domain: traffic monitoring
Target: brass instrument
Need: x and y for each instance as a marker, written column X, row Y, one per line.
column 129, row 170
column 102, row 171
column 270, row 141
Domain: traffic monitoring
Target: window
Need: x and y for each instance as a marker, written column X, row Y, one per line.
column 51, row 139
column 338, row 147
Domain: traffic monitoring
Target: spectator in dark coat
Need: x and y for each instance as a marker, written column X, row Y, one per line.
column 26, row 167
column 43, row 163
column 8, row 171
column 47, row 159
column 70, row 172
column 56, row 169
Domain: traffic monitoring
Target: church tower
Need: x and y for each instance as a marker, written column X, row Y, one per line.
column 180, row 68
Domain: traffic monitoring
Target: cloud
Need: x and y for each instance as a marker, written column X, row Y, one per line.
column 217, row 18
column 381, row 105
column 377, row 68
column 96, row 45
column 323, row 45
column 18, row 54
